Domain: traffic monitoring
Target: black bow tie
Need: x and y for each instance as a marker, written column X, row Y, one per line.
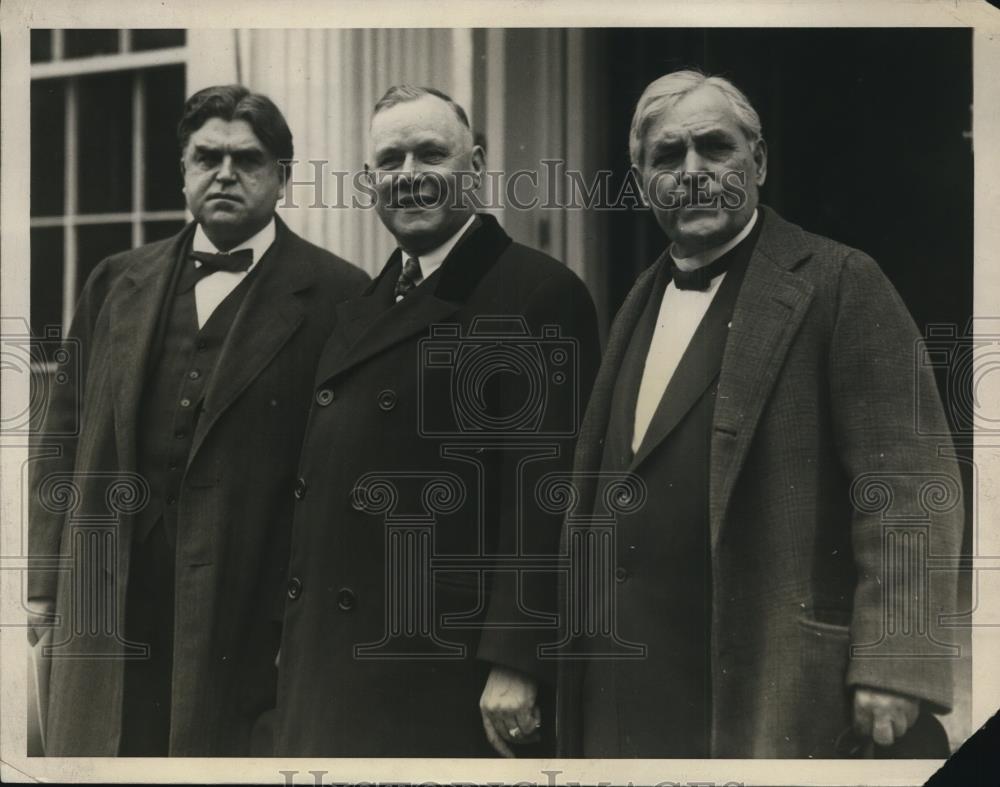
column 234, row 262
column 700, row 278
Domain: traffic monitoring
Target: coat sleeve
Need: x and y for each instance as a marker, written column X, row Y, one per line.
column 54, row 447
column 565, row 302
column 900, row 469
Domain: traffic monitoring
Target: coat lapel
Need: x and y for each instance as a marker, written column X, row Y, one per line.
column 133, row 310
column 769, row 310
column 593, row 430
column 267, row 318
column 371, row 324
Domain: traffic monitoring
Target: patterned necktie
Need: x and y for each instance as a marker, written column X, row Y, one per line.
column 409, row 278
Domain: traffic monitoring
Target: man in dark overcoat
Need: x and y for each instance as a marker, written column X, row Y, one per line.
column 420, row 582
column 761, row 386
column 170, row 505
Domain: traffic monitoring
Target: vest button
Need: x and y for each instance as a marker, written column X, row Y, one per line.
column 324, row 397
column 194, row 374
column 171, row 500
column 621, row 574
column 346, row 599
column 300, row 489
column 294, row 588
column 185, row 402
column 387, row 399
column 201, row 344
column 179, row 435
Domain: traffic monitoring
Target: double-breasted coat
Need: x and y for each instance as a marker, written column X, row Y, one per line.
column 234, row 507
column 829, row 487
column 418, row 556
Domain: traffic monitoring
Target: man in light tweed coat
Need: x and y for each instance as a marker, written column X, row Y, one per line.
column 762, row 384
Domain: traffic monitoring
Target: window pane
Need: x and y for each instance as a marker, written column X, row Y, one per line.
column 157, row 39
column 97, row 241
column 158, row 230
column 41, row 46
column 164, row 104
column 85, row 43
column 105, row 143
column 48, row 151
column 46, row 279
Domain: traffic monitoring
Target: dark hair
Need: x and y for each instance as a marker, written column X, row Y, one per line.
column 399, row 94
column 235, row 102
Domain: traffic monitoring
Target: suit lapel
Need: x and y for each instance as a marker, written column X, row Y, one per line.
column 371, row 324
column 697, row 368
column 134, row 309
column 267, row 318
column 702, row 358
column 769, row 310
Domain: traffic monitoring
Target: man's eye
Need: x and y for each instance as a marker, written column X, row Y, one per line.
column 206, row 159
column 248, row 161
column 389, row 162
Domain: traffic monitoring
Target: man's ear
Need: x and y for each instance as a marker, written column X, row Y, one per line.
column 478, row 159
column 760, row 159
column 637, row 174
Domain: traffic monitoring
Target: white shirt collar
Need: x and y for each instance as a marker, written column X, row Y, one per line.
column 430, row 261
column 259, row 243
column 703, row 258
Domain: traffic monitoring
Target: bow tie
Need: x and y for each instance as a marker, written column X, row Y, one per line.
column 700, row 278
column 234, row 262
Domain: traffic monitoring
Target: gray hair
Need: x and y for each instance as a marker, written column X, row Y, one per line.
column 400, row 94
column 666, row 91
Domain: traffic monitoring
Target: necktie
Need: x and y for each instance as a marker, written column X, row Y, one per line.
column 700, row 278
column 408, row 278
column 236, row 262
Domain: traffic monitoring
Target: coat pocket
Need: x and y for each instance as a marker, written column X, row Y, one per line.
column 824, row 698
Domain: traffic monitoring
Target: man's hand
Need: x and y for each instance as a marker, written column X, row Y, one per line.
column 40, row 612
column 508, row 707
column 883, row 715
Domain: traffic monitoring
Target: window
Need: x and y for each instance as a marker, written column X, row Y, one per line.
column 104, row 161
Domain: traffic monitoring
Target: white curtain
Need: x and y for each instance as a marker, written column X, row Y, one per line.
column 326, row 82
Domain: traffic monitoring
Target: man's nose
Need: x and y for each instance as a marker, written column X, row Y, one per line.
column 693, row 163
column 226, row 171
column 412, row 165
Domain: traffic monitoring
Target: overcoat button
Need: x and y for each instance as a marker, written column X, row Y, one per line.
column 346, row 599
column 294, row 588
column 300, row 489
column 324, row 397
column 621, row 574
column 387, row 399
